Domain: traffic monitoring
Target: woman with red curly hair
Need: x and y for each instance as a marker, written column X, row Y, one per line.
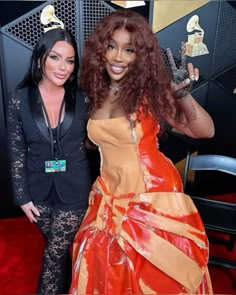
column 141, row 233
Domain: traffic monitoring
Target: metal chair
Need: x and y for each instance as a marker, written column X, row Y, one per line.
column 217, row 213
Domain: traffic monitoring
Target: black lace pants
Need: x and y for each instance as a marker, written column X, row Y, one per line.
column 58, row 228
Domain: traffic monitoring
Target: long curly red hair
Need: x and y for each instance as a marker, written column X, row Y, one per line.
column 146, row 84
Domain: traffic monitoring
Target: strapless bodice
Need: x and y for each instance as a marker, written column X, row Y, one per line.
column 130, row 159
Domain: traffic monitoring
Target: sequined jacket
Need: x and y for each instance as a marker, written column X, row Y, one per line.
column 29, row 148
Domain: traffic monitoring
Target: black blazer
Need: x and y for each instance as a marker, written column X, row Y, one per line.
column 29, row 147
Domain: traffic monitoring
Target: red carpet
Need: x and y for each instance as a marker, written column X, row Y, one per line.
column 20, row 257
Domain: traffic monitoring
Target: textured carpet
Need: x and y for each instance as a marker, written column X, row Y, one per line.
column 21, row 247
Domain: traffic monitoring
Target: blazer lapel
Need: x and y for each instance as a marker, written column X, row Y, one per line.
column 37, row 112
column 69, row 99
column 36, row 109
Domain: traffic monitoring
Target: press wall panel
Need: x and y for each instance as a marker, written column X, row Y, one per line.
column 16, row 60
column 224, row 54
column 27, row 29
column 172, row 36
column 79, row 17
column 164, row 14
column 221, row 107
column 6, row 208
column 91, row 13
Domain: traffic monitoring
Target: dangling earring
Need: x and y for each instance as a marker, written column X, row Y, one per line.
column 39, row 67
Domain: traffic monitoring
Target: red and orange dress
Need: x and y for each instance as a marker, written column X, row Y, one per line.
column 141, row 233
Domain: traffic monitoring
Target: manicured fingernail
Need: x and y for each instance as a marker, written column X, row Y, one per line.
column 196, row 78
column 192, row 77
column 187, row 81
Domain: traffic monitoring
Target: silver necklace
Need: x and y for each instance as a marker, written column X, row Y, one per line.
column 115, row 89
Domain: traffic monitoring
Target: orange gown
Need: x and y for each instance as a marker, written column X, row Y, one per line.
column 141, row 234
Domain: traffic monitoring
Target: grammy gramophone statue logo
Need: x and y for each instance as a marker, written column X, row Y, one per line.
column 195, row 45
column 49, row 19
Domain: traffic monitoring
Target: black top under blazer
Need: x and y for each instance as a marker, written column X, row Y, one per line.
column 29, row 147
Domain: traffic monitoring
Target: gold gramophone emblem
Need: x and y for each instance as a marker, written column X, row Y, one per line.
column 48, row 16
column 195, row 45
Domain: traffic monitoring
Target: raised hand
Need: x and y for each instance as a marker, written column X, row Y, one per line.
column 184, row 75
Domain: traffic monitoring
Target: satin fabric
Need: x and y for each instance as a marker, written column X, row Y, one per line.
column 141, row 233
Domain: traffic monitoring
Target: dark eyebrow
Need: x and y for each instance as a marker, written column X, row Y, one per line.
column 52, row 51
column 126, row 44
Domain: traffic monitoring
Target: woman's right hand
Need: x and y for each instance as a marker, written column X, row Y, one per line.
column 183, row 75
column 30, row 211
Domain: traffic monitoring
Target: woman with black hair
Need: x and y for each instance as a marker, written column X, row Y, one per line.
column 47, row 117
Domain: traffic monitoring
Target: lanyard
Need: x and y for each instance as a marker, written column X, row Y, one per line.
column 50, row 128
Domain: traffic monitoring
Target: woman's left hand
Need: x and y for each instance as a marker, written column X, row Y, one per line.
column 184, row 75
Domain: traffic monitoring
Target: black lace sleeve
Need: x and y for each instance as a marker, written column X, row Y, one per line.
column 17, row 150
